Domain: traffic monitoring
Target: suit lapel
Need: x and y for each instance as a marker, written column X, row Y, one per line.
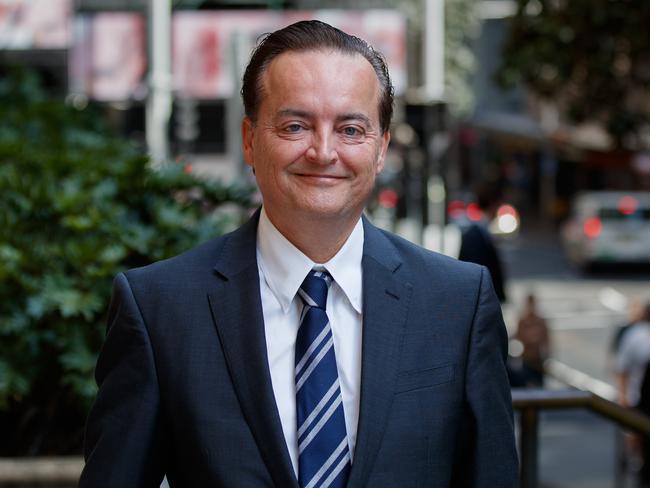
column 237, row 312
column 385, row 306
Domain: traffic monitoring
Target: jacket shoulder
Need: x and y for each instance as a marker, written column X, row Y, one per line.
column 200, row 252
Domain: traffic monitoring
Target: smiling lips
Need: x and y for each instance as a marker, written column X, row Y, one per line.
column 320, row 178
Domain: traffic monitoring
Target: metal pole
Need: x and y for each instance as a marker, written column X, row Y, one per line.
column 239, row 51
column 434, row 49
column 529, row 422
column 159, row 101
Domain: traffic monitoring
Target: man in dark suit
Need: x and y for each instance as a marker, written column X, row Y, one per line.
column 477, row 245
column 308, row 348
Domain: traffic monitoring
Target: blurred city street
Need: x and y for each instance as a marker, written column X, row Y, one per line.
column 577, row 448
column 583, row 309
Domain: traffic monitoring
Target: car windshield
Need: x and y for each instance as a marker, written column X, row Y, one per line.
column 617, row 214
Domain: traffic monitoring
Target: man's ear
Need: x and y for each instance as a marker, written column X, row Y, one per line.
column 385, row 139
column 247, row 131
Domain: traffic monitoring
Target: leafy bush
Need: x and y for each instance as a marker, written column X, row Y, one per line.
column 77, row 205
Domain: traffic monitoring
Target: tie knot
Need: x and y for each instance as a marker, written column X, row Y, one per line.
column 313, row 290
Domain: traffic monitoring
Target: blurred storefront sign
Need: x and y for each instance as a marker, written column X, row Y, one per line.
column 35, row 24
column 641, row 163
column 108, row 59
column 203, row 63
column 202, row 60
column 588, row 136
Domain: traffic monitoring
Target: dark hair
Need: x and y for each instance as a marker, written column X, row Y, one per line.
column 312, row 35
column 487, row 195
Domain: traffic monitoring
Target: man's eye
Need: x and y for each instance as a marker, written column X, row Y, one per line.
column 293, row 128
column 351, row 131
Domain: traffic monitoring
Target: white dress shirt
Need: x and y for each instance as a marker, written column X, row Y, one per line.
column 282, row 269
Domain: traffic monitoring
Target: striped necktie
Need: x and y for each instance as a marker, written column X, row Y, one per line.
column 323, row 452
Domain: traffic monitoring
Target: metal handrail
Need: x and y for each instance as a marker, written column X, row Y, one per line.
column 531, row 401
column 542, row 399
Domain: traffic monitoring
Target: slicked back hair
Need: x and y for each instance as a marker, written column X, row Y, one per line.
column 312, row 35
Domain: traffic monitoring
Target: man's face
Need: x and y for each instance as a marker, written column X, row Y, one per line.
column 317, row 145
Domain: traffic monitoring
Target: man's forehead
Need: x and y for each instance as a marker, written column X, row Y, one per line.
column 324, row 56
column 333, row 67
column 321, row 83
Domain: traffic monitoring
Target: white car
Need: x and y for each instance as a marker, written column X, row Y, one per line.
column 608, row 227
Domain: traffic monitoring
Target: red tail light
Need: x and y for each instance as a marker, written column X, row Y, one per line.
column 456, row 209
column 388, row 198
column 627, row 205
column 592, row 227
column 474, row 212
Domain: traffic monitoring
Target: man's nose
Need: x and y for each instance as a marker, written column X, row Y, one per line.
column 322, row 149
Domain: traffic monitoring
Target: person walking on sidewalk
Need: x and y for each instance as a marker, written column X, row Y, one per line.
column 632, row 358
column 633, row 365
column 532, row 332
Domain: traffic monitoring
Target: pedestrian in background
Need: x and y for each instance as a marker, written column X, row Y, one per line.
column 632, row 363
column 632, row 358
column 532, row 333
column 634, row 315
column 477, row 245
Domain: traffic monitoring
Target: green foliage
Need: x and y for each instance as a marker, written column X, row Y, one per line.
column 590, row 56
column 77, row 205
column 462, row 25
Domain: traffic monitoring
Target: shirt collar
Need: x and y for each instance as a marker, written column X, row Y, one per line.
column 284, row 266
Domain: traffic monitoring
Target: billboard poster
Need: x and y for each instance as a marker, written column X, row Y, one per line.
column 35, row 24
column 203, row 49
column 210, row 48
column 108, row 60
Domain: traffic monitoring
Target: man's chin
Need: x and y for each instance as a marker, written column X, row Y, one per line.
column 331, row 211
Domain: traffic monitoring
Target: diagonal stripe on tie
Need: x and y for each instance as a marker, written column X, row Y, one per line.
column 311, row 435
column 341, row 452
column 324, row 456
column 314, row 345
column 315, row 363
column 319, row 408
column 340, row 469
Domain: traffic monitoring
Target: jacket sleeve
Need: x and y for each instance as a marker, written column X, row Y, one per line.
column 488, row 456
column 124, row 445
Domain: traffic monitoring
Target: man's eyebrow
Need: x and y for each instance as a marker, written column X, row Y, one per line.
column 355, row 116
column 292, row 112
column 303, row 114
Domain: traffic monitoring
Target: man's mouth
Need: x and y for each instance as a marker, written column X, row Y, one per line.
column 323, row 176
column 320, row 181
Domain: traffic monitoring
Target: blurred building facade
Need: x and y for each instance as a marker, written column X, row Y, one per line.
column 95, row 51
column 538, row 154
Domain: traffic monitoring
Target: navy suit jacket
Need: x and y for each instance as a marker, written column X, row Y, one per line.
column 185, row 388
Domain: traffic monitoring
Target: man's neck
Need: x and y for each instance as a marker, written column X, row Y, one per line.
column 320, row 239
